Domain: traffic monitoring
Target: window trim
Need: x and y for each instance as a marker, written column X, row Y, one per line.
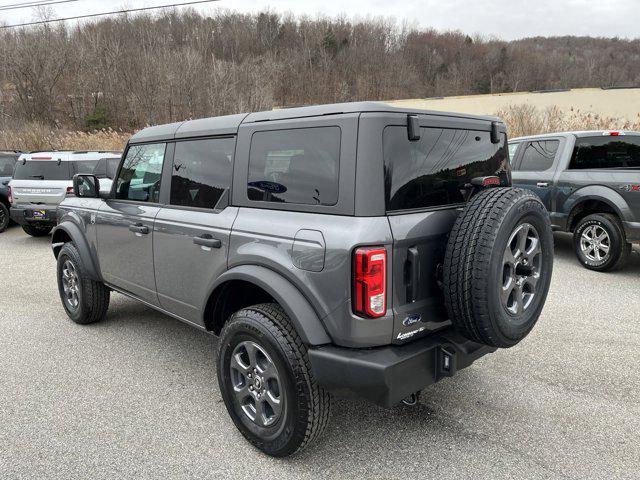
column 297, row 205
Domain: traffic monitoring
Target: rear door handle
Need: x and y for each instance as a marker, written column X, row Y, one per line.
column 207, row 241
column 139, row 228
column 542, row 184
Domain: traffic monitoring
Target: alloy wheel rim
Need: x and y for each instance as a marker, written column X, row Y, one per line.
column 521, row 269
column 256, row 384
column 70, row 285
column 595, row 243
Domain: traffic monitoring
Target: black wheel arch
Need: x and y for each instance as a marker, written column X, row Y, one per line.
column 597, row 199
column 68, row 231
column 247, row 285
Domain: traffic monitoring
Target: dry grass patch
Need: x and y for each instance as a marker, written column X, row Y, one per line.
column 36, row 136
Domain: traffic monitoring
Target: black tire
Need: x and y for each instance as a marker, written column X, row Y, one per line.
column 615, row 241
column 4, row 217
column 495, row 280
column 37, row 231
column 304, row 407
column 92, row 297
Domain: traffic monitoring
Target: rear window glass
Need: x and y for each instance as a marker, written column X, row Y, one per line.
column 7, row 164
column 606, row 152
column 295, row 166
column 539, row 156
column 43, row 170
column 437, row 170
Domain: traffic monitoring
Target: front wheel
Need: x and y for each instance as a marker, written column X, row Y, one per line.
column 85, row 300
column 37, row 230
column 600, row 242
column 266, row 382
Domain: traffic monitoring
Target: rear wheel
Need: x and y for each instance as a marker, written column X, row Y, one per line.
column 37, row 230
column 266, row 382
column 600, row 242
column 85, row 300
column 498, row 266
column 4, row 217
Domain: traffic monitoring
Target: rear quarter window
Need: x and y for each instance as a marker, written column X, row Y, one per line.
column 437, row 170
column 299, row 166
column 593, row 153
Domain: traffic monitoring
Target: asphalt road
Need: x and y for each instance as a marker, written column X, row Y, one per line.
column 136, row 396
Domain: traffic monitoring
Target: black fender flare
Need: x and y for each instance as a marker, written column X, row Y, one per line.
column 302, row 315
column 68, row 229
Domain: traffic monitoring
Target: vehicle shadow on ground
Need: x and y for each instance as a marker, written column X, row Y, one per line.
column 564, row 251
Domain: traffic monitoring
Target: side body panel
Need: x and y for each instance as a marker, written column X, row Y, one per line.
column 272, row 239
column 125, row 256
column 184, row 269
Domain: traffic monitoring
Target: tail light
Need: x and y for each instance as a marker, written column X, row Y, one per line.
column 10, row 196
column 69, row 190
column 370, row 282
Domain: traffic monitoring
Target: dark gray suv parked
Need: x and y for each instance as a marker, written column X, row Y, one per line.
column 352, row 248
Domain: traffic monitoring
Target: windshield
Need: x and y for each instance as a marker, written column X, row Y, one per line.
column 43, row 170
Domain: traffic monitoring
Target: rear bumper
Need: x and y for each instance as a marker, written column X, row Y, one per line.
column 386, row 375
column 23, row 215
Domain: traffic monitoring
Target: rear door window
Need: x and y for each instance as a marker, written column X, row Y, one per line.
column 539, row 156
column 141, row 172
column 437, row 170
column 43, row 170
column 201, row 172
column 594, row 153
column 295, row 166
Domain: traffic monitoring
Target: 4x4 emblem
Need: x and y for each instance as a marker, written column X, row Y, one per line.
column 630, row 188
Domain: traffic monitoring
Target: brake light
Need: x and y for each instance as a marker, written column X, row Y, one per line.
column 10, row 196
column 614, row 134
column 370, row 282
column 69, row 190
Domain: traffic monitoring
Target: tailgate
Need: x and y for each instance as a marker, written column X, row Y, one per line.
column 419, row 243
column 44, row 192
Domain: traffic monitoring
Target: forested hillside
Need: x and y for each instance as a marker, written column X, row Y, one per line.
column 129, row 71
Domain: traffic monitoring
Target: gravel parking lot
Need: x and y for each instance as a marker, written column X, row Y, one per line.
column 136, row 396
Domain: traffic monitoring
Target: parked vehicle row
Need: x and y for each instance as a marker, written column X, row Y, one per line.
column 352, row 248
column 590, row 183
column 43, row 179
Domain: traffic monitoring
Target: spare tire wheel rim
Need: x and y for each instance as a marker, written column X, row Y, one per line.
column 521, row 269
column 595, row 243
column 256, row 384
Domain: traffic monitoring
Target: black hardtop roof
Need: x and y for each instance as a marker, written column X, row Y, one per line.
column 229, row 124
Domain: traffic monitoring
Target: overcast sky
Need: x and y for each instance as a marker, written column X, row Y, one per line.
column 507, row 19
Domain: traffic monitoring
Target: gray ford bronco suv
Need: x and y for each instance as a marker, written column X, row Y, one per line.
column 353, row 248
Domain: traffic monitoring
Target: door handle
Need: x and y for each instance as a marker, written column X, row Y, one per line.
column 139, row 228
column 542, row 184
column 207, row 241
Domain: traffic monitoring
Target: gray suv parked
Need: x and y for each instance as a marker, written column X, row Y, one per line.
column 352, row 248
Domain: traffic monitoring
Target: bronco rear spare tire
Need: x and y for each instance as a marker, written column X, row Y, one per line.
column 498, row 266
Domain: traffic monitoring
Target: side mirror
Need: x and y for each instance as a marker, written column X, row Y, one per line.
column 86, row 186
